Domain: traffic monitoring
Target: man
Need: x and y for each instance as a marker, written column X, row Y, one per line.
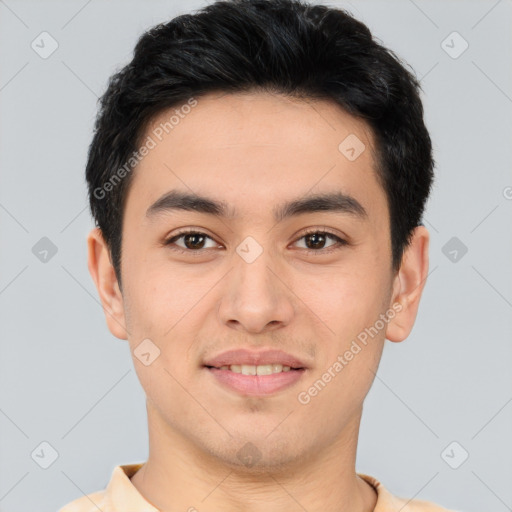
column 258, row 176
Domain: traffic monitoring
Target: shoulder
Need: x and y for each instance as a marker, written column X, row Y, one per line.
column 420, row 506
column 387, row 501
column 117, row 495
column 89, row 503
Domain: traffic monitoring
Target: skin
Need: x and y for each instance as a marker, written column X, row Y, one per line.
column 256, row 151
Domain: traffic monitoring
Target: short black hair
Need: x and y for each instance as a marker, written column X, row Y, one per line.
column 288, row 47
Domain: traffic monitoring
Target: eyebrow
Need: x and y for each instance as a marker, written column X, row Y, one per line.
column 327, row 202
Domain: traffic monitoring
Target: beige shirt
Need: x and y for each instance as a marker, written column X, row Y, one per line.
column 121, row 495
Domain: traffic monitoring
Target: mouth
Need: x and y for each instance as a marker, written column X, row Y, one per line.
column 264, row 369
column 256, row 373
column 266, row 361
column 255, row 384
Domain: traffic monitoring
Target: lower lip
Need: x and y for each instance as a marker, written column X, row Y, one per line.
column 256, row 385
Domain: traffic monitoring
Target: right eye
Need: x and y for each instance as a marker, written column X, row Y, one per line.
column 193, row 241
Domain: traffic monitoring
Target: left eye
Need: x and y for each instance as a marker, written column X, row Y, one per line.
column 194, row 241
column 319, row 237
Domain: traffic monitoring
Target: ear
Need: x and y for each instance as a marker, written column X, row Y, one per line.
column 103, row 274
column 408, row 285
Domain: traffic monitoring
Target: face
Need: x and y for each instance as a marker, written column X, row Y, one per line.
column 314, row 281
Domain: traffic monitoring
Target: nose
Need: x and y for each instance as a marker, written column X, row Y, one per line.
column 256, row 298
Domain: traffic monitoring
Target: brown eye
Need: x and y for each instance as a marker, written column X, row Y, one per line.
column 193, row 241
column 316, row 240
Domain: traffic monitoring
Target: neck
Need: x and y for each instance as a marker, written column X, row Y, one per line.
column 180, row 476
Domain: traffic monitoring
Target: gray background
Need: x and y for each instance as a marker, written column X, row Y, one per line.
column 64, row 378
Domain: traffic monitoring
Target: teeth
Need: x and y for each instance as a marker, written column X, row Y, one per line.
column 264, row 369
column 248, row 370
column 268, row 369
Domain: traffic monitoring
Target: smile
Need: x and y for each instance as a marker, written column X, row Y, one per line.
column 264, row 369
column 249, row 380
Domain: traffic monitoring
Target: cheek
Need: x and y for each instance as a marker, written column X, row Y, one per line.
column 347, row 300
column 164, row 303
column 159, row 296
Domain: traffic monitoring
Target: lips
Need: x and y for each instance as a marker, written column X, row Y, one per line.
column 255, row 358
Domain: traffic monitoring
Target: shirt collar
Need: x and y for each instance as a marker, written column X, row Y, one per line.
column 385, row 500
column 122, row 495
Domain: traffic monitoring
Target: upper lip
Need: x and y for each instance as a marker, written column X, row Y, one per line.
column 251, row 357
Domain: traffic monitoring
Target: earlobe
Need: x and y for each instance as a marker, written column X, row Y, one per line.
column 104, row 277
column 408, row 285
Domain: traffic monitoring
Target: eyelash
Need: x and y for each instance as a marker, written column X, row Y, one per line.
column 340, row 242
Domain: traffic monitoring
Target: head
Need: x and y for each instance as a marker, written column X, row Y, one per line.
column 291, row 145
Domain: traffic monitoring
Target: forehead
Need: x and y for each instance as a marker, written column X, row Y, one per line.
column 258, row 118
column 257, row 148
